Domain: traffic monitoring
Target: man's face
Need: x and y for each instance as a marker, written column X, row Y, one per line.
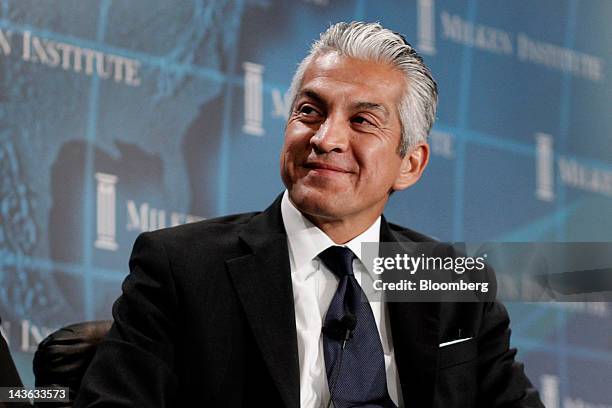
column 339, row 159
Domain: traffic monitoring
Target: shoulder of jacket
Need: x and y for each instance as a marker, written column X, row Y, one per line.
column 410, row 233
column 209, row 231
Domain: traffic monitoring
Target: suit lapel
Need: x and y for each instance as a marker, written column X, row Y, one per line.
column 262, row 280
column 414, row 328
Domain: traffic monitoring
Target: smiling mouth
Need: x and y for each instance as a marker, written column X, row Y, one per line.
column 324, row 168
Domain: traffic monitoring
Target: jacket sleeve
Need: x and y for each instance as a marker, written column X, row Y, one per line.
column 134, row 364
column 9, row 377
column 8, row 372
column 502, row 380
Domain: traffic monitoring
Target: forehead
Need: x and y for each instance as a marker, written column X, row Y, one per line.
column 337, row 77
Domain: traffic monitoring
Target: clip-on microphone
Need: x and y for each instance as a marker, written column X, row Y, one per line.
column 339, row 330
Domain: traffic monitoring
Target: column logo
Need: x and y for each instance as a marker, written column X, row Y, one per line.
column 574, row 172
column 426, row 22
column 253, row 99
column 141, row 217
column 545, row 170
column 106, row 198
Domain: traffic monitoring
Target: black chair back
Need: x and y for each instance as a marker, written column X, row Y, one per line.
column 63, row 357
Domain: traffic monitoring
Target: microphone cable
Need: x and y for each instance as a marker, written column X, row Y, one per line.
column 347, row 325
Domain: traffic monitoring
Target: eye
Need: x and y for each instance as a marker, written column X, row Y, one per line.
column 308, row 113
column 361, row 120
column 307, row 110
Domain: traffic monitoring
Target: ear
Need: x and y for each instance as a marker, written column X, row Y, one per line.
column 412, row 166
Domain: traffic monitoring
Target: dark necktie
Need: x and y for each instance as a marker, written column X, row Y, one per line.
column 356, row 374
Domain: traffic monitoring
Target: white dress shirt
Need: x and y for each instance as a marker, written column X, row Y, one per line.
column 313, row 289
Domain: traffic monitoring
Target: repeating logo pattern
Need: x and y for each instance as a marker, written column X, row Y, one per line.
column 126, row 117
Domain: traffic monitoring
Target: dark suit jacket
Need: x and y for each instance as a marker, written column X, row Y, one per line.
column 206, row 319
column 9, row 377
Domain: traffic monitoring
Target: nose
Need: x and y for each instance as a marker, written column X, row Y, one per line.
column 332, row 135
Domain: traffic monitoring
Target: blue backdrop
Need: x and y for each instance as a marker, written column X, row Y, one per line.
column 120, row 117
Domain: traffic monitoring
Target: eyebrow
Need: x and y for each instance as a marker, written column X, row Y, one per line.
column 311, row 95
column 370, row 106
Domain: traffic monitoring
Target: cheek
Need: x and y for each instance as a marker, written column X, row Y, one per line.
column 287, row 168
column 377, row 168
column 299, row 132
column 287, row 159
column 297, row 144
column 291, row 155
column 290, row 152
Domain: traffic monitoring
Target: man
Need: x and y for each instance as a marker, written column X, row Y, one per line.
column 230, row 311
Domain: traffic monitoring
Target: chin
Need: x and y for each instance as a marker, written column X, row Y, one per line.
column 316, row 202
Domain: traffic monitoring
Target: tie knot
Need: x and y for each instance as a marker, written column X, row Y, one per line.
column 339, row 260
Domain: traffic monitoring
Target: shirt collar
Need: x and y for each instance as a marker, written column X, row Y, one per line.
column 306, row 240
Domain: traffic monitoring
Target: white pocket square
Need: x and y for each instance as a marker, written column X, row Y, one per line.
column 448, row 343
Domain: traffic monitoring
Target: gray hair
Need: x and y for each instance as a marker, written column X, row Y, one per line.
column 373, row 42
